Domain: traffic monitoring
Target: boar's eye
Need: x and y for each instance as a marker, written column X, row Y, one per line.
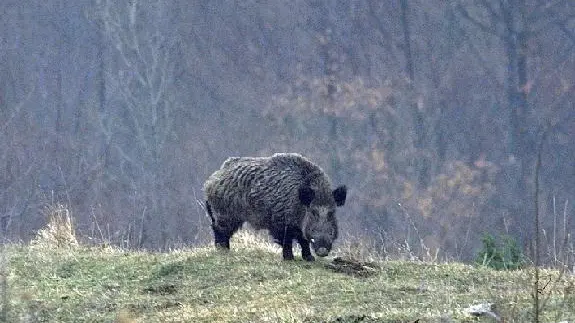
column 330, row 214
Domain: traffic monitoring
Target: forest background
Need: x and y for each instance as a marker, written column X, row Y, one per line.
column 432, row 112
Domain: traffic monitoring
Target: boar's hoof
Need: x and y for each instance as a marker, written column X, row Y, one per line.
column 288, row 257
column 308, row 258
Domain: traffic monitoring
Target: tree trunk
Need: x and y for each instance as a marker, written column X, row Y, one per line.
column 421, row 161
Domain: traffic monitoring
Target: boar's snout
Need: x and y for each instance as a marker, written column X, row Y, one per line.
column 322, row 252
column 321, row 247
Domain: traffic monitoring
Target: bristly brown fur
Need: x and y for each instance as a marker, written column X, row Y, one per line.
column 286, row 193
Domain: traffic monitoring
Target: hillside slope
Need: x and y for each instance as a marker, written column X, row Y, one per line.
column 253, row 284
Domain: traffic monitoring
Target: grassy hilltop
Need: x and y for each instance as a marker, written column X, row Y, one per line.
column 252, row 284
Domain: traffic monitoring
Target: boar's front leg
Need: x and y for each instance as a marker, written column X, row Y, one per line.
column 305, row 251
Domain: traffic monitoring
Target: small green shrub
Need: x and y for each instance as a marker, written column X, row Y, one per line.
column 500, row 254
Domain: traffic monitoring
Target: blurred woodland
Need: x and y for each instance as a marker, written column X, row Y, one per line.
column 431, row 111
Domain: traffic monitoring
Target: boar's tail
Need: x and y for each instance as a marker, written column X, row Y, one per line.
column 210, row 213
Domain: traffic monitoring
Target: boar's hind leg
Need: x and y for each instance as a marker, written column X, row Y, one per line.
column 221, row 238
column 222, row 234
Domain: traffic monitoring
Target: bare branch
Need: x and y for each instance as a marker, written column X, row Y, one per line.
column 569, row 33
column 552, row 12
column 494, row 15
column 545, row 9
column 562, row 21
column 144, row 78
column 478, row 24
column 16, row 110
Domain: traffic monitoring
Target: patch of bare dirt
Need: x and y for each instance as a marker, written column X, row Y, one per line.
column 352, row 267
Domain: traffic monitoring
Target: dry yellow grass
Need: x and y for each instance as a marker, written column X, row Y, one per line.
column 59, row 231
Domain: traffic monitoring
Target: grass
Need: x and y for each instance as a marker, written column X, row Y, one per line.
column 252, row 284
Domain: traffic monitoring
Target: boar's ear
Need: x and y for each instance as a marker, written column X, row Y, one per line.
column 339, row 195
column 306, row 195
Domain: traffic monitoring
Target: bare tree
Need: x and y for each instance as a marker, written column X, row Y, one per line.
column 140, row 129
column 519, row 24
column 516, row 23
